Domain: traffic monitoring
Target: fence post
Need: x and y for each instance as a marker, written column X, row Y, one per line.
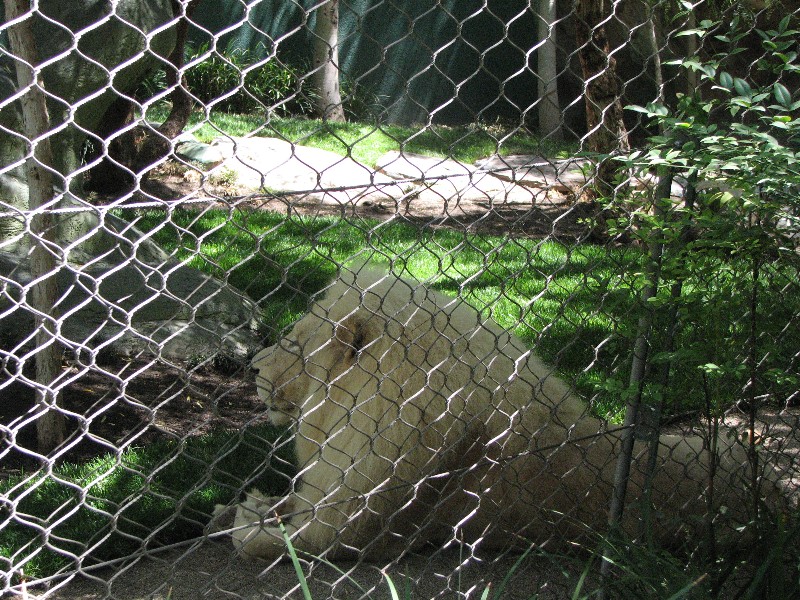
column 50, row 425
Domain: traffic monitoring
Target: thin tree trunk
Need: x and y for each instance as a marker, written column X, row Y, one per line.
column 606, row 128
column 547, row 72
column 691, row 52
column 181, row 100
column 50, row 426
column 652, row 36
column 325, row 79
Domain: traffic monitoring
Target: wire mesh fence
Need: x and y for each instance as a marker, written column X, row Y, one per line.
column 456, row 297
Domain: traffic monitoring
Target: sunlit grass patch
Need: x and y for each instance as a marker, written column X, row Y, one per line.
column 577, row 306
column 367, row 142
column 562, row 301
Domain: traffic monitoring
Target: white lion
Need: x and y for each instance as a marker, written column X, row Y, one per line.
column 419, row 421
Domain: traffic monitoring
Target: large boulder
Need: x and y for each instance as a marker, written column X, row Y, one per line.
column 83, row 75
column 83, row 72
column 132, row 298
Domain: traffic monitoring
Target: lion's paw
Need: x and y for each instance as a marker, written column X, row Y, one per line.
column 222, row 518
column 259, row 542
column 256, row 508
column 255, row 530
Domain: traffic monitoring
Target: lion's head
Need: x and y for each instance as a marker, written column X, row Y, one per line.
column 342, row 344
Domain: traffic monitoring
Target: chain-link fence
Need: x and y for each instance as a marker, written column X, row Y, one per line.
column 464, row 298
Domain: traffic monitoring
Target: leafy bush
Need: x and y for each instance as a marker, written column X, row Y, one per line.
column 236, row 81
column 730, row 249
column 724, row 268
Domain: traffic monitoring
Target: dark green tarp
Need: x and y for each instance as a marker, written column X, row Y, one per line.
column 452, row 61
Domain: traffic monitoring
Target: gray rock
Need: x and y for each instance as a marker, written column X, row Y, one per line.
column 565, row 175
column 83, row 69
column 450, row 182
column 275, row 165
column 77, row 33
column 207, row 155
column 407, row 165
column 477, row 188
column 167, row 309
column 120, row 291
column 116, row 287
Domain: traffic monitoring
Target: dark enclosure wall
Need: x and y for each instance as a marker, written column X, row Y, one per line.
column 447, row 62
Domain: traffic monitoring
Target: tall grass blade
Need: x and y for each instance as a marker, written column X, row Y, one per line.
column 502, row 587
column 392, row 589
column 576, row 593
column 681, row 593
column 485, row 594
column 298, row 568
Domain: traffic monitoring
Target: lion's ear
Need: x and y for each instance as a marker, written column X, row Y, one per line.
column 357, row 331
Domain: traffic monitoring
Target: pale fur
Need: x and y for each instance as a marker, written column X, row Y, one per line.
column 418, row 421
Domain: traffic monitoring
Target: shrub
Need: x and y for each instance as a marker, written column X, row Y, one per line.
column 725, row 264
column 235, row 80
column 729, row 250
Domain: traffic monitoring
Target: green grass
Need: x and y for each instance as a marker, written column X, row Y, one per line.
column 564, row 301
column 367, row 142
column 577, row 306
column 162, row 492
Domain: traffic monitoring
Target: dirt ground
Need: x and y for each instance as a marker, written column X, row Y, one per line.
column 209, row 570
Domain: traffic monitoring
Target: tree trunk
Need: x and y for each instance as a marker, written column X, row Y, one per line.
column 157, row 146
column 175, row 122
column 547, row 73
column 655, row 48
column 50, row 426
column 602, row 90
column 325, row 78
column 691, row 50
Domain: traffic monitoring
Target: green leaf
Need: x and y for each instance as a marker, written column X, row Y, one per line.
column 742, row 87
column 725, row 80
column 787, row 58
column 298, row 568
column 392, row 588
column 782, row 95
column 652, row 109
column 687, row 32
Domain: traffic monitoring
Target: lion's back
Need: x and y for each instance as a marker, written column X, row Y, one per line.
column 447, row 334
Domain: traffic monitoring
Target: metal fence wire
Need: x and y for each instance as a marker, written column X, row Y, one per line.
column 449, row 299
